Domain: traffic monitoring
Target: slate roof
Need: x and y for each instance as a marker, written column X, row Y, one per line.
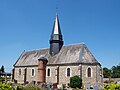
column 77, row 53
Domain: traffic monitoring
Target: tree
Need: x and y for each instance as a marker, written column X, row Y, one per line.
column 75, row 82
column 106, row 72
column 2, row 69
column 115, row 71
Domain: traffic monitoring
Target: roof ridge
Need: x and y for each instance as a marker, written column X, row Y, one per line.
column 82, row 43
column 37, row 49
column 48, row 48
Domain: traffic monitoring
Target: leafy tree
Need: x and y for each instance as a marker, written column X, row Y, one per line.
column 115, row 71
column 106, row 72
column 2, row 69
column 75, row 82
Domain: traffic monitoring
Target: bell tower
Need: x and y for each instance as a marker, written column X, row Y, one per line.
column 56, row 40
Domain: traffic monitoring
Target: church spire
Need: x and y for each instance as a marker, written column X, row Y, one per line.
column 56, row 27
column 56, row 41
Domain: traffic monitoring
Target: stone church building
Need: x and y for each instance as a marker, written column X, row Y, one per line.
column 58, row 63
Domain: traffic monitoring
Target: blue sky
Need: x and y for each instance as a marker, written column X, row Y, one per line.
column 27, row 25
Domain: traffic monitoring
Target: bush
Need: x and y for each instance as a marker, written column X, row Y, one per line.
column 19, row 87
column 6, row 86
column 75, row 82
column 64, row 86
column 112, row 86
column 32, row 87
column 2, row 79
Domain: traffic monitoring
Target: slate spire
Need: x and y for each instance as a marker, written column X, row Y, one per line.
column 56, row 41
column 56, row 27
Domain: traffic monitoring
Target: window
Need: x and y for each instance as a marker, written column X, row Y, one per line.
column 89, row 72
column 68, row 72
column 33, row 72
column 100, row 72
column 19, row 71
column 48, row 72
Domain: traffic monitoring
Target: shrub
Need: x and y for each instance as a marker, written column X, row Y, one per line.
column 19, row 87
column 64, row 86
column 32, row 87
column 112, row 86
column 2, row 79
column 6, row 86
column 75, row 82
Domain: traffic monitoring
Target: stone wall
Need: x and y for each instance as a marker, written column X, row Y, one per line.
column 63, row 78
column 52, row 78
column 19, row 78
column 29, row 77
column 95, row 76
column 107, row 80
column 85, row 78
column 63, row 73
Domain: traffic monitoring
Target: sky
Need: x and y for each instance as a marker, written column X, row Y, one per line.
column 27, row 25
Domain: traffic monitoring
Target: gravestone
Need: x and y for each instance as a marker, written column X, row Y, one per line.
column 96, row 87
column 49, row 85
column 88, row 87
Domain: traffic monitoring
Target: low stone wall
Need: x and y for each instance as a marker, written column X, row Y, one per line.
column 107, row 80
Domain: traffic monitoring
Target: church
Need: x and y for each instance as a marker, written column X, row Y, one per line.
column 58, row 63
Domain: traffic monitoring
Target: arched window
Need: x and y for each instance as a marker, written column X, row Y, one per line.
column 33, row 72
column 19, row 71
column 68, row 72
column 48, row 72
column 89, row 72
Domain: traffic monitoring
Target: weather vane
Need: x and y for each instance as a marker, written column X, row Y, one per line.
column 56, row 7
